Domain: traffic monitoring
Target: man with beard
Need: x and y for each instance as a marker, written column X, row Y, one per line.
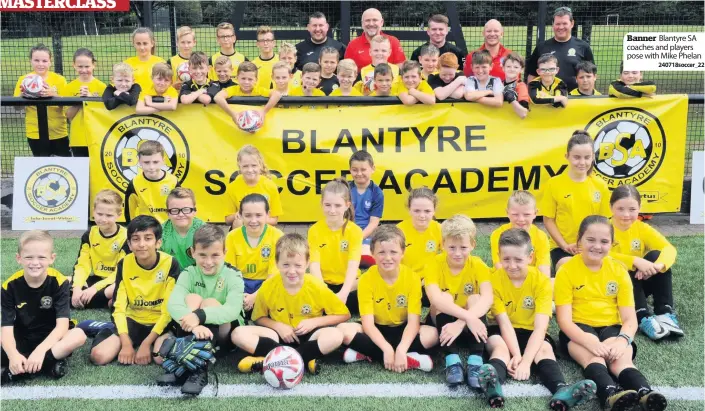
column 568, row 50
column 359, row 48
column 308, row 50
column 437, row 32
column 493, row 33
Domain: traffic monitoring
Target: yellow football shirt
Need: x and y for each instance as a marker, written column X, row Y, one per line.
column 460, row 285
column 99, row 256
column 299, row 92
column 539, row 241
column 264, row 71
column 423, row 87
column 569, row 203
column 576, row 92
column 142, row 293
column 55, row 114
column 257, row 262
column 339, row 93
column 150, row 91
column 235, row 91
column 313, row 300
column 389, row 304
column 638, row 240
column 238, row 189
column 334, row 249
column 148, row 197
column 142, row 70
column 421, row 247
column 595, row 296
column 521, row 304
column 77, row 134
column 236, row 59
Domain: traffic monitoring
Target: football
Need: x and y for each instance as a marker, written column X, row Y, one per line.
column 32, row 86
column 249, row 120
column 283, row 368
column 182, row 72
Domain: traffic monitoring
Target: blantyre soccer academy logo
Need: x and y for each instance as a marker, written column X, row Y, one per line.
column 51, row 189
column 630, row 145
column 120, row 145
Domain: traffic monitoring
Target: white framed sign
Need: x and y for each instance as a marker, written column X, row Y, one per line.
column 697, row 189
column 50, row 193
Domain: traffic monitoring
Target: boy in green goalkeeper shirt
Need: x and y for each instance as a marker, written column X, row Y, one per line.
column 178, row 231
column 206, row 301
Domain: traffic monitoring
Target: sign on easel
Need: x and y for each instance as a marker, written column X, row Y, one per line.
column 50, row 193
column 697, row 189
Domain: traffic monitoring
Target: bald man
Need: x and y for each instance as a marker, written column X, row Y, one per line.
column 359, row 49
column 492, row 33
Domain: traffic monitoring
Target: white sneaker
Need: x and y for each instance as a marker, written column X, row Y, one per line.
column 416, row 361
column 669, row 322
column 350, row 356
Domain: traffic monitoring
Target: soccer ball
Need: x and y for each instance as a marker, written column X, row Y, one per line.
column 249, row 120
column 183, row 72
column 636, row 134
column 132, row 139
column 51, row 190
column 32, row 85
column 283, row 368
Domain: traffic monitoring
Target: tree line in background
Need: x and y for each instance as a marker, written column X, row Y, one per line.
column 396, row 13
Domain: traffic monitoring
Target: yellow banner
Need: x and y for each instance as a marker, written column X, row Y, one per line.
column 472, row 156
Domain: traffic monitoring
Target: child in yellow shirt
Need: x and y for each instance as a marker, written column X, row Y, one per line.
column 310, row 77
column 649, row 257
column 389, row 295
column 159, row 89
column 145, row 45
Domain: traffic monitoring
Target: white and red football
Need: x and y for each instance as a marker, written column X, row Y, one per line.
column 283, row 368
column 32, row 85
column 249, row 120
column 183, row 72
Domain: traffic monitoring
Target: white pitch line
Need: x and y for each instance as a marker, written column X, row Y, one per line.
column 402, row 390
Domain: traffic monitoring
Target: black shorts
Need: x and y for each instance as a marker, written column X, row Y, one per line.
column 25, row 346
column 392, row 333
column 557, row 254
column 522, row 337
column 602, row 333
column 136, row 331
column 46, row 148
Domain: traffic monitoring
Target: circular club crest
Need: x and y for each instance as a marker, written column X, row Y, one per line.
column 51, row 189
column 630, row 145
column 120, row 145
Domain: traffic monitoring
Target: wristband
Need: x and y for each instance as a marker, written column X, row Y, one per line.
column 629, row 339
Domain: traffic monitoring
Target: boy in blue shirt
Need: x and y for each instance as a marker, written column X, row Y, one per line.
column 367, row 197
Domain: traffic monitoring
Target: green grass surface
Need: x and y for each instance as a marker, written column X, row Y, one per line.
column 667, row 363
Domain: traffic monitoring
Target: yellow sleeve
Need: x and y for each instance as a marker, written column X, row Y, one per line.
column 548, row 205
column 494, row 246
column 625, row 292
column 165, row 317
column 497, row 302
column 355, row 243
column 542, row 249
column 230, row 248
column 627, row 259
column 314, row 250
column 415, row 294
column 260, row 308
column 431, row 271
column 331, row 303
column 105, row 282
column 82, row 269
column 18, row 91
column 653, row 240
column 425, row 88
column 562, row 289
column 605, row 209
column 543, row 296
column 230, row 91
column 364, row 295
column 482, row 272
column 120, row 303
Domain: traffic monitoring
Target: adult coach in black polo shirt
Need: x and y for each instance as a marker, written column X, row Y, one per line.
column 568, row 50
column 308, row 50
column 437, row 32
